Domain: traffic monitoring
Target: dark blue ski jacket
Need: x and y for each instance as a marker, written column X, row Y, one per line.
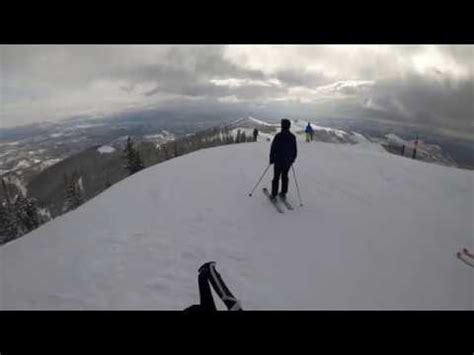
column 283, row 151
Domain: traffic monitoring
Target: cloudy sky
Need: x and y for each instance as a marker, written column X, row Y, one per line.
column 416, row 85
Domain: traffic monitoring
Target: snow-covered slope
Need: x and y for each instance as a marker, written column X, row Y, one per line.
column 321, row 134
column 251, row 123
column 263, row 123
column 376, row 231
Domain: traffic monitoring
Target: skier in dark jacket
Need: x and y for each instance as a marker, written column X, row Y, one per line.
column 255, row 134
column 309, row 133
column 282, row 155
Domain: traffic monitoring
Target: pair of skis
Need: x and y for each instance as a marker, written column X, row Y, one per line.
column 466, row 256
column 276, row 200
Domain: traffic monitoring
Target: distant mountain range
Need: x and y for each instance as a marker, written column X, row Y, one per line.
column 26, row 151
column 36, row 158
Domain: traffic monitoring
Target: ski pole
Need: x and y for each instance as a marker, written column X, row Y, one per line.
column 250, row 194
column 296, row 182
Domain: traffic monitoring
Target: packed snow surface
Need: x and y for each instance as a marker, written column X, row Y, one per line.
column 376, row 231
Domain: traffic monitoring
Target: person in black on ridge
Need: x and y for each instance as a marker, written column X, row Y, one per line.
column 282, row 154
column 255, row 134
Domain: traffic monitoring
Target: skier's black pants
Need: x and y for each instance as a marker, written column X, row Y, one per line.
column 280, row 170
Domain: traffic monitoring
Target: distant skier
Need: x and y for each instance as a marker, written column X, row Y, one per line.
column 309, row 132
column 283, row 154
column 255, row 134
column 415, row 147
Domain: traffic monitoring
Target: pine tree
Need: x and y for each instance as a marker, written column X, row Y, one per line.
column 74, row 194
column 414, row 149
column 8, row 224
column 132, row 156
column 163, row 152
column 27, row 214
column 176, row 148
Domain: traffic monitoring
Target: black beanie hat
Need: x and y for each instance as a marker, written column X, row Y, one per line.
column 285, row 124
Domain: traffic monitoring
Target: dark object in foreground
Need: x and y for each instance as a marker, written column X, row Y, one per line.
column 209, row 275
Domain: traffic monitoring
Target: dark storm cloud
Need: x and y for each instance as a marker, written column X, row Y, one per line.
column 193, row 65
column 189, row 72
column 431, row 101
column 430, row 85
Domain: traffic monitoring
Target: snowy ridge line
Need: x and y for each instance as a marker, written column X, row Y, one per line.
column 263, row 123
column 427, row 153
